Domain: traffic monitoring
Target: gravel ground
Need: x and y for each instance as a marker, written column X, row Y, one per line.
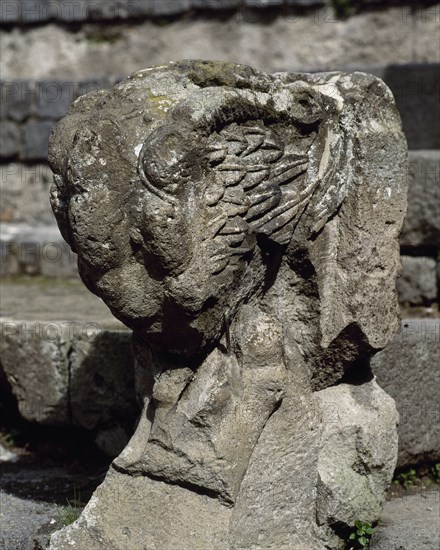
column 409, row 523
column 20, row 520
column 40, row 494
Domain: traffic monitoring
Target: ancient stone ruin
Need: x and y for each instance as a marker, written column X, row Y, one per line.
column 245, row 227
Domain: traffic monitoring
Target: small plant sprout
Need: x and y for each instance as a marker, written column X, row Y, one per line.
column 70, row 513
column 435, row 472
column 406, row 479
column 362, row 534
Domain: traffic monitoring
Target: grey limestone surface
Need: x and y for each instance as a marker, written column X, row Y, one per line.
column 422, row 223
column 408, row 369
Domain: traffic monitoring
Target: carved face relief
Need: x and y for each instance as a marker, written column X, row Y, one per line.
column 221, row 182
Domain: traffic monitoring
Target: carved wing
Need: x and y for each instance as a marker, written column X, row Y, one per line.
column 256, row 186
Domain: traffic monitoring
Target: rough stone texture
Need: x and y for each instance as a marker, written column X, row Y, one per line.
column 409, row 523
column 311, row 40
column 20, row 519
column 73, row 374
column 418, row 283
column 422, row 222
column 408, row 370
column 245, row 227
column 355, row 440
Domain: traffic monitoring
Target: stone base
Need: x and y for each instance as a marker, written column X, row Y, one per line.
column 303, row 476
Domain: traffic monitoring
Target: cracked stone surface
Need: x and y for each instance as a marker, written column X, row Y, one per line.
column 245, row 227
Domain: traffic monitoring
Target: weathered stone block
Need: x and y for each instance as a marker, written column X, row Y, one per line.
column 9, row 139
column 72, row 374
column 19, row 99
column 24, row 193
column 70, row 11
column 36, row 250
column 408, row 370
column 254, row 254
column 10, row 12
column 422, row 222
column 54, row 98
column 35, row 140
column 416, row 89
column 36, row 11
column 418, row 283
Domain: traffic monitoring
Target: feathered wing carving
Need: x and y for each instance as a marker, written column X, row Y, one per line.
column 224, row 169
column 255, row 185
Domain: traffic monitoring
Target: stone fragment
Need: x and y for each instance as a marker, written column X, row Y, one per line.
column 9, row 140
column 36, row 369
column 35, row 141
column 408, row 370
column 245, row 226
column 422, row 223
column 418, row 283
column 359, row 437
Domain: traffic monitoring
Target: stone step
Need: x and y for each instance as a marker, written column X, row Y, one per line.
column 35, row 250
column 28, row 109
column 43, row 11
column 408, row 369
column 67, row 361
column 79, row 371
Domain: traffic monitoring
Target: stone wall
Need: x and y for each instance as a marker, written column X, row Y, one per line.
column 56, row 50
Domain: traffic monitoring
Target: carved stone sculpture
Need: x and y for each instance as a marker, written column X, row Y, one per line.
column 245, row 226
